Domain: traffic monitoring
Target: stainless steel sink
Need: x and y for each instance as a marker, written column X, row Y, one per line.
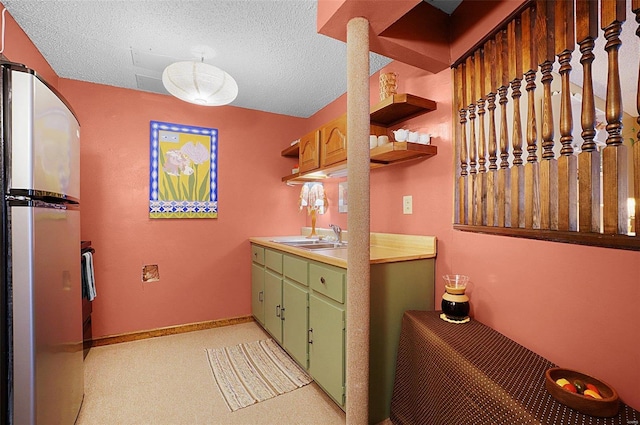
column 313, row 244
column 326, row 245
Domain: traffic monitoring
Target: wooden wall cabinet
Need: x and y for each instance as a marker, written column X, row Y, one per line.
column 325, row 149
column 333, row 141
column 309, row 152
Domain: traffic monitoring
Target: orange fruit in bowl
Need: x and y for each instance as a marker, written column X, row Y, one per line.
column 593, row 388
column 592, row 394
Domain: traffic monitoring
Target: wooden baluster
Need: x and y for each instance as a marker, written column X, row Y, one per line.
column 462, row 143
column 491, row 75
column 589, row 158
column 635, row 7
column 532, row 167
column 614, row 155
column 548, row 165
column 483, row 87
column 504, row 175
column 471, row 108
column 514, row 38
column 567, row 162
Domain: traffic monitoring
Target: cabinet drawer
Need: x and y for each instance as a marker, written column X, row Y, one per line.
column 257, row 254
column 327, row 281
column 296, row 269
column 273, row 260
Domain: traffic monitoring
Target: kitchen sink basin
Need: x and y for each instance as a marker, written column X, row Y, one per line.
column 314, row 244
column 325, row 245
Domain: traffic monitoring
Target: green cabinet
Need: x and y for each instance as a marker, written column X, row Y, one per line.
column 305, row 311
column 273, row 293
column 257, row 292
column 395, row 288
column 273, row 304
column 284, row 305
column 327, row 346
column 257, row 283
column 295, row 302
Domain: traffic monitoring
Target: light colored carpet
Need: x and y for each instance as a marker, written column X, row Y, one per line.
column 167, row 381
column 255, row 371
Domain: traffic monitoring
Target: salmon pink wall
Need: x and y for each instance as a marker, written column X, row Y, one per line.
column 203, row 263
column 575, row 305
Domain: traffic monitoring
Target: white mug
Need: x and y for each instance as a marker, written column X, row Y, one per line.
column 373, row 141
column 424, row 138
column 383, row 140
column 400, row 134
column 413, row 136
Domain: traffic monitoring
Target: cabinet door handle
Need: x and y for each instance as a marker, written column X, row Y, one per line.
column 322, row 280
column 282, row 313
column 261, row 296
column 310, row 336
column 278, row 310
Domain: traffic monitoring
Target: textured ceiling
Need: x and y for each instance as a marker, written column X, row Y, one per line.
column 271, row 48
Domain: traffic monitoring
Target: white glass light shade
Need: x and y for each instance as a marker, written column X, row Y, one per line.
column 199, row 83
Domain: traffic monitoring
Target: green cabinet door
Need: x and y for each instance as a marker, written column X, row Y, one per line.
column 294, row 326
column 273, row 304
column 326, row 347
column 257, row 292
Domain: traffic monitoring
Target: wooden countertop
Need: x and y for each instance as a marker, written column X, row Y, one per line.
column 385, row 248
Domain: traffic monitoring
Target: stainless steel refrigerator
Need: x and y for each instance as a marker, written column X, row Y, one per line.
column 42, row 363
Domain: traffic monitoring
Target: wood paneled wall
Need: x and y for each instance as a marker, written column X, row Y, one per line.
column 512, row 179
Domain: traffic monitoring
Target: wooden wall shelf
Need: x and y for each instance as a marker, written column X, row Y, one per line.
column 400, row 107
column 401, row 151
column 292, row 151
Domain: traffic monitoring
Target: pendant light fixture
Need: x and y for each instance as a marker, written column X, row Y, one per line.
column 199, row 83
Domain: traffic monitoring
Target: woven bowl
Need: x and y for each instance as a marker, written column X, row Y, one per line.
column 605, row 407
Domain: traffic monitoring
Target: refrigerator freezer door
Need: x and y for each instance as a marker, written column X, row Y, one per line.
column 47, row 315
column 45, row 139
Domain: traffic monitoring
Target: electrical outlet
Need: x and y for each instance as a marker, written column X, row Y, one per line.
column 407, row 204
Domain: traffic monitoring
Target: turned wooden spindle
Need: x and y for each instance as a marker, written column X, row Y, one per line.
column 482, row 87
column 491, row 76
column 471, row 108
column 589, row 158
column 635, row 7
column 459, row 75
column 531, row 168
column 514, row 41
column 567, row 163
column 471, row 97
column 504, row 181
column 614, row 155
column 544, row 33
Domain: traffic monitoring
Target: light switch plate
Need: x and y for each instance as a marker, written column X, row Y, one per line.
column 407, row 204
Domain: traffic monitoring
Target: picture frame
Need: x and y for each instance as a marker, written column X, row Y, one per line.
column 183, row 181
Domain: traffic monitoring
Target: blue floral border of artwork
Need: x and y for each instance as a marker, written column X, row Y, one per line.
column 182, row 209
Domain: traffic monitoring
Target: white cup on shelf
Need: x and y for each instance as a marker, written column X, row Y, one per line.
column 413, row 136
column 424, row 138
column 383, row 140
column 401, row 134
column 373, row 141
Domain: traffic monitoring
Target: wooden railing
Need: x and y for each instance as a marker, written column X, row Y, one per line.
column 548, row 181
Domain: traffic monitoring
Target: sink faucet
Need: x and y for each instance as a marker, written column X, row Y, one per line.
column 338, row 231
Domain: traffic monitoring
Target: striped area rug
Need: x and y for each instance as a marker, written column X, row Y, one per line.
column 255, row 371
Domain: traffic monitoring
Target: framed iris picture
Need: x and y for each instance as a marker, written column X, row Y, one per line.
column 183, row 175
